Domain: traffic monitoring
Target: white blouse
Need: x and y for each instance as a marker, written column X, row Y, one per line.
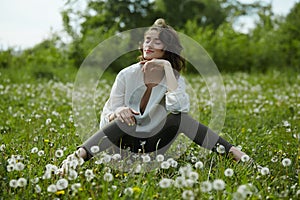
column 128, row 90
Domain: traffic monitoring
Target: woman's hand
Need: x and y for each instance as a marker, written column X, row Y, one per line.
column 125, row 114
column 154, row 71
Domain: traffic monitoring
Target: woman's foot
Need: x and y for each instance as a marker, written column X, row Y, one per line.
column 237, row 154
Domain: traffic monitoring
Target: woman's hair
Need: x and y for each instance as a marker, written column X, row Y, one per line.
column 170, row 39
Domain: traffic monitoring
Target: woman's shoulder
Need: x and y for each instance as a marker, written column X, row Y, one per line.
column 136, row 67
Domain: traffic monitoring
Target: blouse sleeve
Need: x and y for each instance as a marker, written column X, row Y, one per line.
column 178, row 100
column 116, row 99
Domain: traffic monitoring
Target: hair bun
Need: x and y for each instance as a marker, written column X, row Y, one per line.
column 161, row 23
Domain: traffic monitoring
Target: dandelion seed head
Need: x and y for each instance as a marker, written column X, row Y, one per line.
column 52, row 188
column 264, row 171
column 146, row 158
column 194, row 176
column 220, row 149
column 62, row 184
column 2, row 147
column 41, row 153
column 95, row 149
column 188, row 195
column 286, row 162
column 206, row 186
column 116, row 156
column 13, row 183
column 165, row 165
column 218, row 184
column 75, row 186
column 160, row 158
column 34, row 150
column 180, row 182
column 108, row 177
column 59, row 153
column 22, row 182
column 37, row 189
column 10, row 167
column 199, row 165
column 72, row 174
column 165, row 183
column 48, row 121
column 228, row 172
column 245, row 158
column 128, row 191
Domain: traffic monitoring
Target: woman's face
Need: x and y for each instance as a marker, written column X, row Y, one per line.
column 152, row 46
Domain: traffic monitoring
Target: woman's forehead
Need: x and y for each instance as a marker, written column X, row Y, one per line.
column 152, row 34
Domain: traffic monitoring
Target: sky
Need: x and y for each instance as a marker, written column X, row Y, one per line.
column 24, row 23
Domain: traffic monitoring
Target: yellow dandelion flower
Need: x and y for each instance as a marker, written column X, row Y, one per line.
column 60, row 192
column 136, row 189
column 46, row 140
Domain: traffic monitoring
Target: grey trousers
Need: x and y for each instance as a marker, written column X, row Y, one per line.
column 118, row 135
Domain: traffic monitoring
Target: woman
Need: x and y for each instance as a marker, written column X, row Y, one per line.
column 148, row 104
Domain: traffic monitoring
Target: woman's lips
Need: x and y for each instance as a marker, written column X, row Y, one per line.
column 149, row 51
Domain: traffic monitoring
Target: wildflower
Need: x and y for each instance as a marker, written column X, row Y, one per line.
column 286, row 162
column 106, row 158
column 59, row 153
column 138, row 168
column 146, row 158
column 194, row 176
column 13, row 183
column 62, row 184
column 95, row 149
column 174, row 163
column 245, row 158
column 75, row 186
column 274, row 159
column 165, row 165
column 10, row 167
column 38, row 189
column 41, row 153
column 220, row 149
column 108, row 177
column 160, row 158
column 34, row 150
column 188, row 194
column 22, row 182
column 35, row 180
column 264, row 171
column 206, row 186
column 136, row 189
column 228, row 172
column 2, row 147
column 218, row 184
column 60, row 192
column 72, row 174
column 48, row 121
column 165, row 183
column 185, row 170
column 19, row 166
column 180, row 182
column 199, row 165
column 113, row 187
column 128, row 191
column 89, row 174
column 116, row 156
column 51, row 188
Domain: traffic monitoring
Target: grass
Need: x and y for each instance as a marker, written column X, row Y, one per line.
column 262, row 117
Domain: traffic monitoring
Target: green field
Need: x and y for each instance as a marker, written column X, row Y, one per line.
column 262, row 116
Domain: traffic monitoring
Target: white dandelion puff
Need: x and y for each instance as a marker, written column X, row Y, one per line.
column 160, row 158
column 128, row 191
column 72, row 174
column 220, row 149
column 146, row 158
column 48, row 121
column 116, row 156
column 19, row 166
column 34, row 150
column 51, row 188
column 218, row 184
column 38, row 189
column 10, row 167
column 206, row 186
column 245, row 158
column 228, row 172
column 95, row 149
column 13, row 183
column 89, row 174
column 41, row 153
column 165, row 183
column 199, row 165
column 75, row 186
column 286, row 162
column 165, row 165
column 108, row 177
column 59, row 153
column 22, row 182
column 62, row 184
column 194, row 176
column 188, row 194
column 264, row 171
column 180, row 182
